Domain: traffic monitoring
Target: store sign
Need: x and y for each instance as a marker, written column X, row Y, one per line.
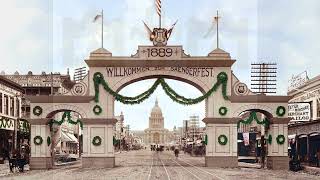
column 297, row 81
column 299, row 111
column 6, row 123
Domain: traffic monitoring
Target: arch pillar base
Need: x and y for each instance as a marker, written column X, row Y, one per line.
column 278, row 162
column 221, row 161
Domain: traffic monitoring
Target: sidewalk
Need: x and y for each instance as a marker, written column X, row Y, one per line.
column 312, row 170
column 5, row 170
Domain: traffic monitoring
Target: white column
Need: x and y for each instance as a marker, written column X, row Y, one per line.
column 314, row 109
column 2, row 107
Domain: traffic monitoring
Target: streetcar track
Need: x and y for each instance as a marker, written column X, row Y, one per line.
column 186, row 169
column 150, row 169
column 203, row 170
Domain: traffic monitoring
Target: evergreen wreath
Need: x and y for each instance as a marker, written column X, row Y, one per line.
column 37, row 140
column 280, row 139
column 97, row 110
column 48, row 140
column 223, row 111
column 281, row 111
column 96, row 141
column 222, row 139
column 37, row 110
column 98, row 79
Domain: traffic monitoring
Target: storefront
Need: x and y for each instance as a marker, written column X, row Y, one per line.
column 10, row 112
column 304, row 128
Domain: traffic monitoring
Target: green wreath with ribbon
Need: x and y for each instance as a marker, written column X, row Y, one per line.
column 48, row 140
column 281, row 111
column 280, row 139
column 222, row 139
column 37, row 110
column 96, row 141
column 37, row 140
column 97, row 110
column 98, row 80
column 223, row 111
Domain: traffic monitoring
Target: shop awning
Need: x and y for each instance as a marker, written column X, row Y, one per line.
column 65, row 137
column 292, row 136
column 315, row 134
column 72, row 137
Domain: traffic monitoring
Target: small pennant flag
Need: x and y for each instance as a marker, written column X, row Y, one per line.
column 158, row 6
column 97, row 17
column 170, row 30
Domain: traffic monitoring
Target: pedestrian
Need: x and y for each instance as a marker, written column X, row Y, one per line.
column 176, row 152
column 263, row 151
column 318, row 157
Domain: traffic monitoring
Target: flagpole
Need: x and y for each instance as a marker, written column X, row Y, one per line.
column 102, row 28
column 217, row 29
column 160, row 21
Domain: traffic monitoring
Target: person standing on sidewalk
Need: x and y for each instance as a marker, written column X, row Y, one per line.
column 318, row 157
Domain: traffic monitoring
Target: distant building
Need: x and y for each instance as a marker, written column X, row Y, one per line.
column 10, row 112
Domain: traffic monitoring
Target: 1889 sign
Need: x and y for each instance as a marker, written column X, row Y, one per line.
column 159, row 52
column 166, row 52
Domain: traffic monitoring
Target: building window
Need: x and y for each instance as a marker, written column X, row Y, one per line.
column 5, row 104
column 11, row 106
column 318, row 108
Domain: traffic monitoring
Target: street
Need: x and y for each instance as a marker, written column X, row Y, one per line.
column 146, row 164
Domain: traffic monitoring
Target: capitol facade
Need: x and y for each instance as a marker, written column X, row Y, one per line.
column 156, row 133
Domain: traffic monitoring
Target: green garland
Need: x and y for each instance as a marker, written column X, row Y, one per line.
column 37, row 140
column 96, row 141
column 223, row 111
column 280, row 139
column 253, row 116
column 66, row 114
column 269, row 139
column 97, row 110
column 98, row 79
column 281, row 111
column 37, row 110
column 206, row 140
column 48, row 140
column 222, row 139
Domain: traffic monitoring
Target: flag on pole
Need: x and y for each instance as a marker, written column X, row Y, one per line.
column 170, row 30
column 158, row 6
column 97, row 17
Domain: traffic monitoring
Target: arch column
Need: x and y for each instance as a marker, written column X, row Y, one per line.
column 103, row 154
column 277, row 157
column 41, row 157
column 218, row 155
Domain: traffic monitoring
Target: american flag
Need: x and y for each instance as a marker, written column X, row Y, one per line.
column 158, row 6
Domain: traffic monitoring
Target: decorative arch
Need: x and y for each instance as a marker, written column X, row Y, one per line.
column 64, row 107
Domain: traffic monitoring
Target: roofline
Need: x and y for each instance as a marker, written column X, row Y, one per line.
column 11, row 83
column 310, row 81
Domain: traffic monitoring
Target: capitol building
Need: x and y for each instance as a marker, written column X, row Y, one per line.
column 156, row 133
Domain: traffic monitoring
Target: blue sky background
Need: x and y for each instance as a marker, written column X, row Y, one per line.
column 42, row 35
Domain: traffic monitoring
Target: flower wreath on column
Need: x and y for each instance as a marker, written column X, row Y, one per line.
column 96, row 141
column 281, row 111
column 222, row 139
column 223, row 111
column 48, row 140
column 280, row 139
column 37, row 140
column 97, row 110
column 37, row 110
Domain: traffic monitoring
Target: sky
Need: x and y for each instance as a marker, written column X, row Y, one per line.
column 47, row 35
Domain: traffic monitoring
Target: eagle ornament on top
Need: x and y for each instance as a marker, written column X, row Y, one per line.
column 159, row 36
